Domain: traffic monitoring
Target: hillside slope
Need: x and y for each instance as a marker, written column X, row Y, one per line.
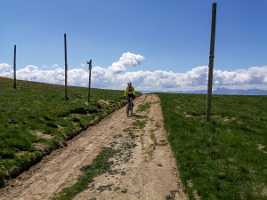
column 35, row 119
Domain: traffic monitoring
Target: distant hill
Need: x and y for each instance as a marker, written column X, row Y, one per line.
column 227, row 91
column 222, row 91
column 241, row 92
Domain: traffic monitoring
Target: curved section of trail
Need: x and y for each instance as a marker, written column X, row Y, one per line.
column 145, row 170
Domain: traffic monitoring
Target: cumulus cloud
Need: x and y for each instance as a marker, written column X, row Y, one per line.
column 117, row 75
column 127, row 59
column 5, row 70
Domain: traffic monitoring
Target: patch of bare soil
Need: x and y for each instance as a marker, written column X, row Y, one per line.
column 144, row 169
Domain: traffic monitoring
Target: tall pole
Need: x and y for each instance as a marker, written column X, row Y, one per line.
column 211, row 60
column 89, row 81
column 66, row 66
column 14, row 67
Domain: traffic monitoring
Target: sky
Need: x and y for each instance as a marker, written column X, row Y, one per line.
column 156, row 44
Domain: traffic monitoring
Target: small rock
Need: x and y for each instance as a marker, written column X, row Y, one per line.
column 12, row 121
column 124, row 190
column 123, row 173
column 102, row 103
column 104, row 188
column 168, row 197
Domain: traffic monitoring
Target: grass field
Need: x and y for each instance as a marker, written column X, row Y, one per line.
column 224, row 159
column 35, row 119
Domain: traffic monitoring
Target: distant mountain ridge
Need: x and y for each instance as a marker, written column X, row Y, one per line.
column 220, row 91
column 228, row 91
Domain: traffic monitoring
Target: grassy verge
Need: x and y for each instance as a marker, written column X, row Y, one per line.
column 35, row 119
column 99, row 166
column 224, row 159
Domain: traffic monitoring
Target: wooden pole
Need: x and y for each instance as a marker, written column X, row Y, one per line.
column 14, row 68
column 89, row 81
column 211, row 60
column 66, row 67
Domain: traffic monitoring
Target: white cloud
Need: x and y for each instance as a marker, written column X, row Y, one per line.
column 127, row 59
column 116, row 76
column 5, row 70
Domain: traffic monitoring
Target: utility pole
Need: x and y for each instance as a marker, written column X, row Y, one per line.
column 66, row 67
column 14, row 68
column 211, row 60
column 89, row 81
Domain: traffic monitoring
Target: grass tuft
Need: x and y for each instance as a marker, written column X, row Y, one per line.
column 100, row 165
column 140, row 124
column 143, row 107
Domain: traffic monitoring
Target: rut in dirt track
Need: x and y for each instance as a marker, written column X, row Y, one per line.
column 144, row 170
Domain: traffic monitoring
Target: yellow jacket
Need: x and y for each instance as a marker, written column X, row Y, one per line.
column 127, row 91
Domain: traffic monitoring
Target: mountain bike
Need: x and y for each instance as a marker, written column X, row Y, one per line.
column 129, row 109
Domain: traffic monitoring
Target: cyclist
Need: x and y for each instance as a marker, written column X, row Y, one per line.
column 129, row 93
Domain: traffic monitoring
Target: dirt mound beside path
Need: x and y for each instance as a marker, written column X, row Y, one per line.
column 143, row 167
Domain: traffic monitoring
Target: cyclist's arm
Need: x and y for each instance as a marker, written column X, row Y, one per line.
column 134, row 92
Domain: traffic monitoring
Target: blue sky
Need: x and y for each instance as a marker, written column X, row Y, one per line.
column 171, row 35
column 157, row 44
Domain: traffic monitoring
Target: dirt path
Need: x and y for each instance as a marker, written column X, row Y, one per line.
column 145, row 169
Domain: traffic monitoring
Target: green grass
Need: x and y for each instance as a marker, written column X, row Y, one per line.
column 140, row 124
column 143, row 107
column 223, row 159
column 35, row 119
column 100, row 165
